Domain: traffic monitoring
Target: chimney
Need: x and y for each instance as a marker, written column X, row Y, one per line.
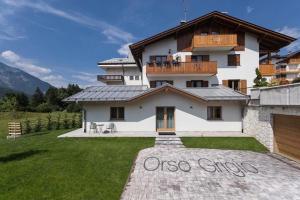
column 182, row 22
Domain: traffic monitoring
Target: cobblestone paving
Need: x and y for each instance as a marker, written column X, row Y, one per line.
column 181, row 173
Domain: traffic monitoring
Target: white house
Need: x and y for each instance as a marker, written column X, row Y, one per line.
column 193, row 77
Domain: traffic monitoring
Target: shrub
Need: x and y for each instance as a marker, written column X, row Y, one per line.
column 58, row 122
column 38, row 125
column 43, row 107
column 79, row 121
column 66, row 122
column 73, row 107
column 73, row 123
column 296, row 80
column 49, row 122
column 28, row 128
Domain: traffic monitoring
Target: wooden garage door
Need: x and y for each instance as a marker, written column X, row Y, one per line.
column 287, row 135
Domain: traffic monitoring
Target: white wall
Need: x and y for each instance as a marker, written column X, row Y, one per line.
column 190, row 115
column 128, row 71
column 249, row 60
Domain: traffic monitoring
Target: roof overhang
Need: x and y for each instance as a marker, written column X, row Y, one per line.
column 269, row 40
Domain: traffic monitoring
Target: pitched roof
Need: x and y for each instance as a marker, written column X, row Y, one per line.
column 288, row 56
column 128, row 60
column 266, row 35
column 128, row 93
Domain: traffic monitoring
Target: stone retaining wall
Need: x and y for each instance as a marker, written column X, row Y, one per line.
column 258, row 121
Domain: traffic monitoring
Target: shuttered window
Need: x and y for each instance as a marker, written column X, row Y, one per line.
column 234, row 60
column 157, row 83
column 197, row 83
column 200, row 58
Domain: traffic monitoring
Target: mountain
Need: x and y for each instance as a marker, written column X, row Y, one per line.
column 13, row 79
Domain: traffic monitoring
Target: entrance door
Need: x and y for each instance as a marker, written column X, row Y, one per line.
column 165, row 119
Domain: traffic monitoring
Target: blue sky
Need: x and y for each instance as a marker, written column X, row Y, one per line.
column 60, row 41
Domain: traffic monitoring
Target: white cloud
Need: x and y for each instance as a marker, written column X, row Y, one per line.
column 249, row 9
column 7, row 30
column 124, row 49
column 293, row 32
column 87, row 77
column 112, row 33
column 24, row 64
column 55, row 80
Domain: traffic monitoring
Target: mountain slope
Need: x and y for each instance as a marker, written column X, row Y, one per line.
column 17, row 80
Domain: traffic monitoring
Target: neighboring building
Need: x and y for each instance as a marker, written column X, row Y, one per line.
column 267, row 66
column 273, row 117
column 120, row 71
column 288, row 68
column 182, row 72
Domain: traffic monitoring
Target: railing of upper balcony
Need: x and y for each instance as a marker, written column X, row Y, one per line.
column 223, row 40
column 205, row 67
column 286, row 71
column 267, row 69
column 110, row 78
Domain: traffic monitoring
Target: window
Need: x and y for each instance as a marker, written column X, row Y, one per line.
column 131, row 78
column 158, row 59
column 116, row 113
column 137, row 77
column 154, row 84
column 234, row 60
column 214, row 113
column 197, row 83
column 200, row 58
column 234, row 84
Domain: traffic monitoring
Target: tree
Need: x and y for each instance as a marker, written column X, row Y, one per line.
column 73, row 89
column 51, row 96
column 259, row 80
column 37, row 97
column 296, row 80
column 22, row 101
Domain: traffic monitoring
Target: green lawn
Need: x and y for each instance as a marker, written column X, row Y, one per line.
column 234, row 143
column 41, row 166
column 6, row 117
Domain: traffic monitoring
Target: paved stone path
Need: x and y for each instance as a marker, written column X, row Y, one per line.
column 168, row 142
column 185, row 174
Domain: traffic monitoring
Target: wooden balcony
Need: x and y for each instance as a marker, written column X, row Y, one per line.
column 107, row 78
column 267, row 69
column 201, row 68
column 287, row 71
column 215, row 42
column 294, row 61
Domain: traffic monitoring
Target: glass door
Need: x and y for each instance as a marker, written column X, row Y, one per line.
column 165, row 119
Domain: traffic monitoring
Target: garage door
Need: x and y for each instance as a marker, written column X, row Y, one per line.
column 287, row 135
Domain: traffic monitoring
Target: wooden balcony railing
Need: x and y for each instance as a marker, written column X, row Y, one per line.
column 287, row 71
column 208, row 68
column 225, row 40
column 267, row 69
column 294, row 61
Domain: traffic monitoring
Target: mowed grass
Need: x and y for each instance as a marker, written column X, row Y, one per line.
column 6, row 117
column 234, row 143
column 42, row 166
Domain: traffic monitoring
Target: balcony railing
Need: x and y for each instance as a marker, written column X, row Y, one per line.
column 287, row 71
column 105, row 78
column 207, row 68
column 267, row 69
column 206, row 41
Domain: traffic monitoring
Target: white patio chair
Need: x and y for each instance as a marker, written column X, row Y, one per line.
column 111, row 127
column 93, row 127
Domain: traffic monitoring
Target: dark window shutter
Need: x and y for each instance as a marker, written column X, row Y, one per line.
column 189, row 84
column 205, row 84
column 152, row 84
